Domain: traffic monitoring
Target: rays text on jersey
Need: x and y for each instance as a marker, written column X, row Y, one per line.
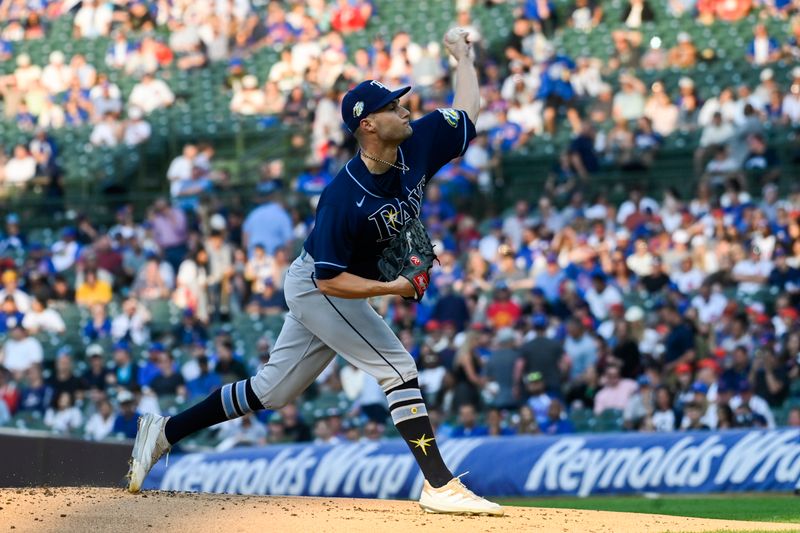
column 390, row 218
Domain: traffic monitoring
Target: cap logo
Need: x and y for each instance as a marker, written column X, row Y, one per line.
column 358, row 109
column 379, row 84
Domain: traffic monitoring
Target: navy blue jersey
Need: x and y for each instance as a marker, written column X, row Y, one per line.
column 359, row 212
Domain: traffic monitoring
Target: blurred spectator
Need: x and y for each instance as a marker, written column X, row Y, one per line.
column 150, row 283
column 97, row 375
column 693, row 415
column 580, row 349
column 229, row 368
column 101, row 423
column 269, row 224
column 131, row 325
column 150, row 94
column 585, row 15
column 10, row 316
column 21, row 168
column 125, row 372
column 35, row 395
column 761, row 162
column 205, row 383
column 106, row 132
column 168, row 382
column 169, row 227
column 725, row 10
column 541, row 354
column 64, row 379
column 125, row 423
column 684, row 54
column 501, row 371
column 93, row 290
column 664, row 417
column 637, row 12
column 248, row 98
column 496, row 425
column 637, row 411
column 763, row 49
column 295, row 429
column 9, row 390
column 616, row 391
column 323, row 433
column 64, row 418
column 538, row 400
column 556, row 423
column 136, row 130
column 21, row 352
column 756, row 404
column 468, row 423
column 191, row 290
column 679, row 345
column 93, row 20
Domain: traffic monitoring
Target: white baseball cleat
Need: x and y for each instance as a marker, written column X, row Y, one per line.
column 456, row 498
column 150, row 445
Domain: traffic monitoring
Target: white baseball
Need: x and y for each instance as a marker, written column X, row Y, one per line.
column 454, row 35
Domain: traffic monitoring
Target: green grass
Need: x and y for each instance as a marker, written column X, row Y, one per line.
column 756, row 507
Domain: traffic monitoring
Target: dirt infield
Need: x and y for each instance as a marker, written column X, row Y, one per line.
column 110, row 510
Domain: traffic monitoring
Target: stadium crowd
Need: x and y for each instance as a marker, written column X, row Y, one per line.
column 565, row 313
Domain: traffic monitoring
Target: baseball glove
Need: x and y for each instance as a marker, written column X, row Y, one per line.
column 409, row 254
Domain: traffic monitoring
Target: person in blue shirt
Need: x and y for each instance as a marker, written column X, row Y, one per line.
column 269, row 224
column 10, row 316
column 557, row 92
column 149, row 369
column 205, row 383
column 126, row 421
column 369, row 203
column 468, row 424
column 555, row 423
column 543, row 13
column 313, row 181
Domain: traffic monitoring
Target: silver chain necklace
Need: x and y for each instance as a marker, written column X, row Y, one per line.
column 402, row 168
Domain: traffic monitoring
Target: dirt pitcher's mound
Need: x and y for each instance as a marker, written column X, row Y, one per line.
column 94, row 509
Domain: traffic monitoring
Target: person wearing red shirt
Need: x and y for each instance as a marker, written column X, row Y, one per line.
column 348, row 18
column 503, row 312
column 727, row 10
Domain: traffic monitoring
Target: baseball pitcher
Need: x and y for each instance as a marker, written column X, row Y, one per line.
column 367, row 241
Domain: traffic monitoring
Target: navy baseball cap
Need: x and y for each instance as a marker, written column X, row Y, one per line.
column 365, row 98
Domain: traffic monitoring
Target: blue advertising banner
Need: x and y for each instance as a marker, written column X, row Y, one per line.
column 577, row 465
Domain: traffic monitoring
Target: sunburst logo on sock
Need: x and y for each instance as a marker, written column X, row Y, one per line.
column 422, row 443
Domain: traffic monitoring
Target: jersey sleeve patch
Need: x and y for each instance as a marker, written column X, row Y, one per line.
column 450, row 116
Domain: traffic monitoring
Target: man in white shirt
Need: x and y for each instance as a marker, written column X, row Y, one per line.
column 709, row 305
column 601, row 296
column 106, row 132
column 21, row 168
column 151, row 94
column 688, row 278
column 751, row 273
column 56, row 76
column 137, row 130
column 65, row 250
column 41, row 318
column 93, row 20
column 20, row 352
column 180, row 169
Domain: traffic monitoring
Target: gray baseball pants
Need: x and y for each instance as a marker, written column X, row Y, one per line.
column 318, row 327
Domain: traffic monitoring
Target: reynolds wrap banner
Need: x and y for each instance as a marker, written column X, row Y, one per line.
column 577, row 465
